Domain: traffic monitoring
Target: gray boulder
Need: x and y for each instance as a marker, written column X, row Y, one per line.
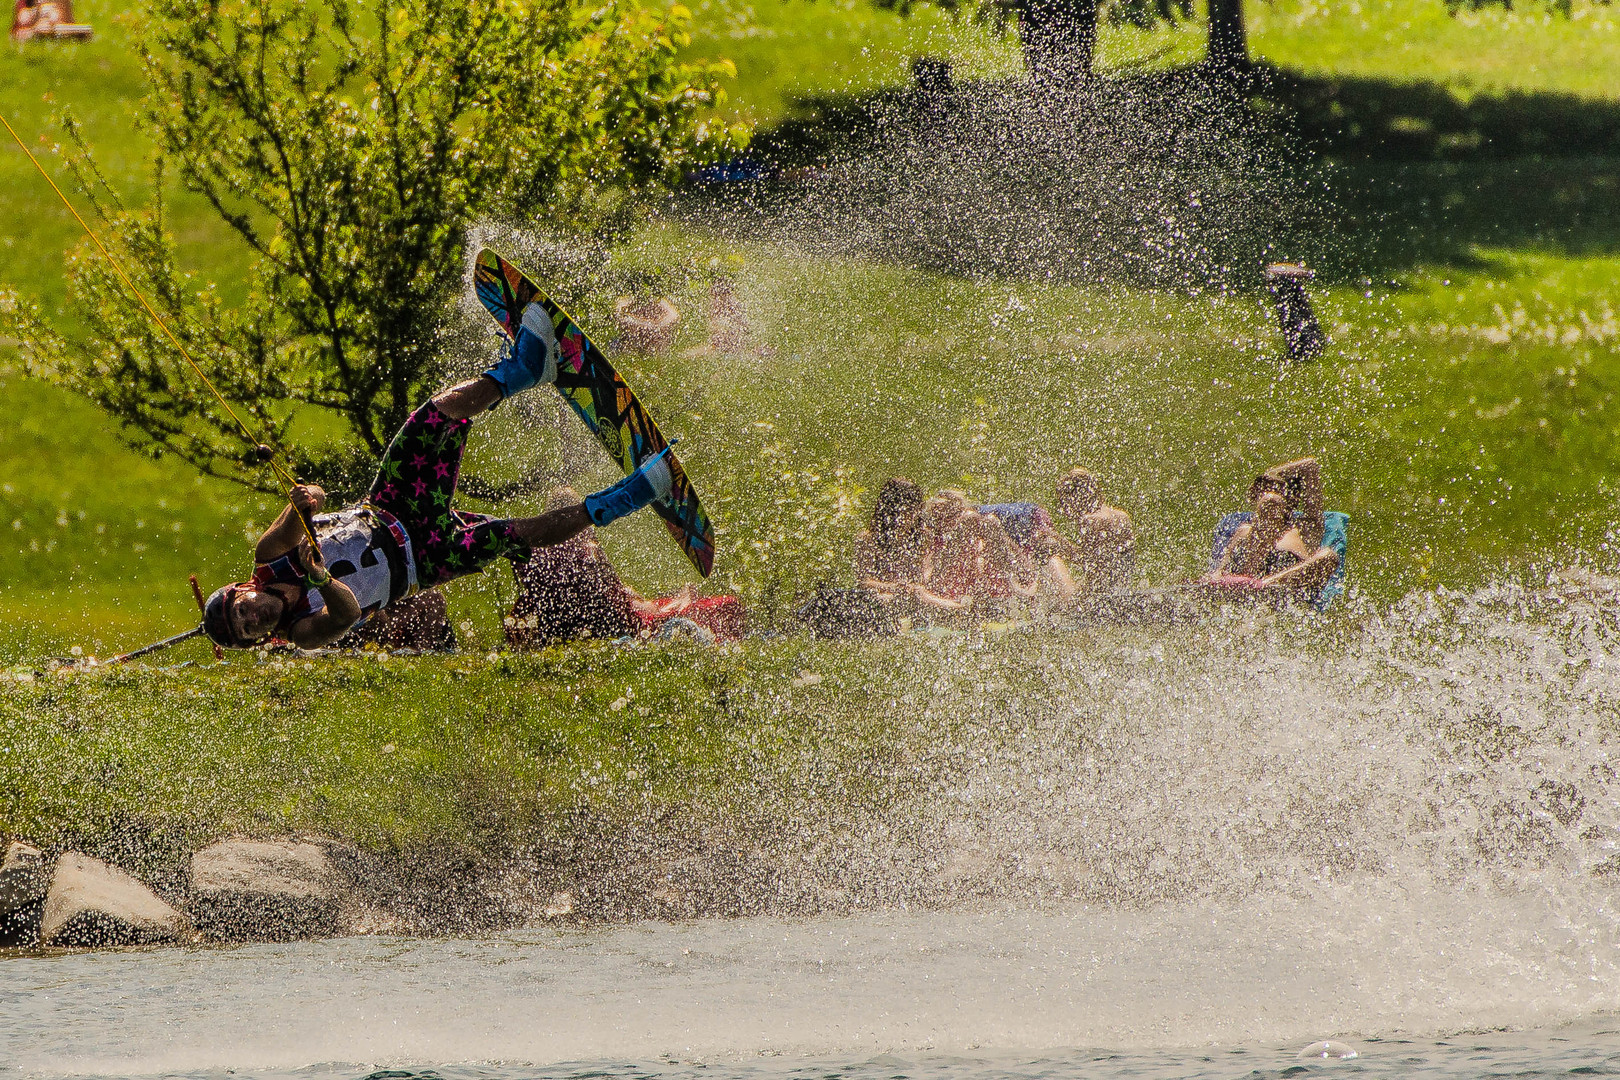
column 24, row 878
column 265, row 890
column 91, row 903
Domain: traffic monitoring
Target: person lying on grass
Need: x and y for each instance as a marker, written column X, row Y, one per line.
column 570, row 590
column 1279, row 550
column 406, row 536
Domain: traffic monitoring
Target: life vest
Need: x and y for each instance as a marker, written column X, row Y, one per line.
column 364, row 547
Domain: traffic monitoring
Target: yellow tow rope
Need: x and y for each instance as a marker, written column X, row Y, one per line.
column 262, row 450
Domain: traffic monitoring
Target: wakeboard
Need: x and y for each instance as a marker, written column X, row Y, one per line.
column 601, row 399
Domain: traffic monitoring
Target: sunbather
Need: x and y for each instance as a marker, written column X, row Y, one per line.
column 571, row 590
column 1103, row 552
column 892, row 550
column 1281, row 546
column 45, row 18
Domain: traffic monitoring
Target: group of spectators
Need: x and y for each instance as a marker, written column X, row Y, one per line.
column 940, row 559
column 944, row 558
column 944, row 555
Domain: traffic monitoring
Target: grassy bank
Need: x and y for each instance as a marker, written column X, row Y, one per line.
column 784, row 775
column 687, row 749
column 1464, row 414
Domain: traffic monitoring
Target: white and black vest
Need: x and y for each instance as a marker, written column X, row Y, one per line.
column 369, row 551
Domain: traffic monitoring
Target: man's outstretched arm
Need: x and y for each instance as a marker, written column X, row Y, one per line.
column 287, row 531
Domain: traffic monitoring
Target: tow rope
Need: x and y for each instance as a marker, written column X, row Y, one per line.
column 261, row 451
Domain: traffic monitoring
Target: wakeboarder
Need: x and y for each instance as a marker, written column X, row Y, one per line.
column 406, row 536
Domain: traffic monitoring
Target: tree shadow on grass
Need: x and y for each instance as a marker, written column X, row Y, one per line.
column 1422, row 176
column 1178, row 178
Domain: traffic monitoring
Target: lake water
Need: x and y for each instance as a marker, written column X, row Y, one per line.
column 1443, row 985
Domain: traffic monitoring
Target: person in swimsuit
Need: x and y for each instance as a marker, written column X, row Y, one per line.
column 891, row 551
column 571, row 590
column 1280, row 550
column 406, row 536
column 973, row 562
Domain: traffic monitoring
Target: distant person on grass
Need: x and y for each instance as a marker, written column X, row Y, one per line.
column 893, row 549
column 406, row 536
column 1103, row 553
column 1285, row 545
column 570, row 590
column 45, row 18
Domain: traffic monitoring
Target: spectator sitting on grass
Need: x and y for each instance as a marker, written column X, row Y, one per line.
column 570, row 590
column 45, row 18
column 1278, row 546
column 1103, row 553
column 972, row 561
column 892, row 550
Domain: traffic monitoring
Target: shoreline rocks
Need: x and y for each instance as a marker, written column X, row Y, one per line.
column 250, row 890
column 93, row 904
column 265, row 890
column 25, row 877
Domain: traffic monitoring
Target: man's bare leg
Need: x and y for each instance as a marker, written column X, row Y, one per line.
column 469, row 398
column 553, row 526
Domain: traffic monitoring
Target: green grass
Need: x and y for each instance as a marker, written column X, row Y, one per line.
column 396, row 754
column 1482, row 52
column 786, row 49
column 1464, row 413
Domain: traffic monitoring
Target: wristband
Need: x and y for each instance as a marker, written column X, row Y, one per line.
column 313, row 582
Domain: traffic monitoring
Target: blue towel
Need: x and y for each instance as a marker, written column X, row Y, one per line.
column 1335, row 534
column 1022, row 520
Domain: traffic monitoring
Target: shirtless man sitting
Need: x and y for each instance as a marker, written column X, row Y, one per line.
column 1103, row 553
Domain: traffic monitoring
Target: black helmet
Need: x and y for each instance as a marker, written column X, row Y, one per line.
column 216, row 623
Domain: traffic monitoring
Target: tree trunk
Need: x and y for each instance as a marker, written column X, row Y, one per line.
column 1059, row 37
column 1228, row 41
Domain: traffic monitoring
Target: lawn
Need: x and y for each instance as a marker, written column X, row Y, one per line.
column 1463, row 411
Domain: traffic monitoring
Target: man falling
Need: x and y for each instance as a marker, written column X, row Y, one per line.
column 406, row 536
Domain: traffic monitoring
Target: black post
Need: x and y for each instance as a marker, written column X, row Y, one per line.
column 1228, row 41
column 1059, row 37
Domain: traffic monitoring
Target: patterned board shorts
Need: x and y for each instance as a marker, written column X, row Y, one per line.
column 416, row 480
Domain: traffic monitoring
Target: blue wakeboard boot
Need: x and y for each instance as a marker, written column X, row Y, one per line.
column 649, row 483
column 532, row 358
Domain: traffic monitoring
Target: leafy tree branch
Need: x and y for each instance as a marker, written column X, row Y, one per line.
column 348, row 147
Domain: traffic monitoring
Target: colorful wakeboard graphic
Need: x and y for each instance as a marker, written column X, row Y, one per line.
column 600, row 397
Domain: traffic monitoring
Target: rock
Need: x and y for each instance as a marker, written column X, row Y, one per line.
column 265, row 890
column 561, row 905
column 91, row 903
column 24, row 879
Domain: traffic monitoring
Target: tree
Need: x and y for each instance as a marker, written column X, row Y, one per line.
column 1228, row 40
column 1058, row 37
column 350, row 145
